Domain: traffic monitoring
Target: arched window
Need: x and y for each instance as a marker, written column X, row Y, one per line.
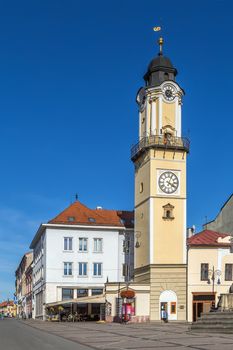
column 141, row 187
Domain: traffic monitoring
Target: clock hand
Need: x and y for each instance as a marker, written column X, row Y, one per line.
column 169, row 182
column 173, row 185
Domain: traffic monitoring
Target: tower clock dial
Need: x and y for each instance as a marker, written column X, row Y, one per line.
column 141, row 99
column 169, row 92
column 168, row 182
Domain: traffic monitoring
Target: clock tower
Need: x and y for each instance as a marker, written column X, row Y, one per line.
column 160, row 190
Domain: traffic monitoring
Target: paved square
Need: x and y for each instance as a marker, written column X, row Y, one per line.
column 135, row 336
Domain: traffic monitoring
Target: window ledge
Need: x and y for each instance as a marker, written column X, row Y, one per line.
column 67, row 276
column 83, row 276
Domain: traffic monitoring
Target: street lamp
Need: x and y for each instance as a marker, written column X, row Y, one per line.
column 214, row 275
column 137, row 236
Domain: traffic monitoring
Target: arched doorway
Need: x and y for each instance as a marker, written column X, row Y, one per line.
column 168, row 300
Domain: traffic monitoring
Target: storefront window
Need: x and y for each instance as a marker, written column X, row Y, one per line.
column 95, row 309
column 67, row 293
column 82, row 293
column 97, row 291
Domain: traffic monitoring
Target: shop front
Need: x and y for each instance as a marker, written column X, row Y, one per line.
column 76, row 310
column 202, row 302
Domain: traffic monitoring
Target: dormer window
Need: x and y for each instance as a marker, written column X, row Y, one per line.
column 91, row 219
column 71, row 218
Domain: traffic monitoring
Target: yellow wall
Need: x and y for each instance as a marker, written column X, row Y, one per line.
column 169, row 234
column 166, row 234
column 168, row 114
column 216, row 257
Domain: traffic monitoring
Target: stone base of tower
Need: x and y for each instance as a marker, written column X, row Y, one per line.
column 167, row 289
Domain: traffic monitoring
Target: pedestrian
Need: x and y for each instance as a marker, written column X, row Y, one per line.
column 164, row 315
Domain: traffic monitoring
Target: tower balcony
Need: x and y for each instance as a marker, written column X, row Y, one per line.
column 160, row 142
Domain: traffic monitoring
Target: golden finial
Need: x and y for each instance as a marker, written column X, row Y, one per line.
column 160, row 42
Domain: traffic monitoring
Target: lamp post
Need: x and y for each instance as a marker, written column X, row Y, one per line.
column 214, row 275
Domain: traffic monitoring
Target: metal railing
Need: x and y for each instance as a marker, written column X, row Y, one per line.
column 160, row 141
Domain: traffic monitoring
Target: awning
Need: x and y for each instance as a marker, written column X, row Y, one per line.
column 97, row 299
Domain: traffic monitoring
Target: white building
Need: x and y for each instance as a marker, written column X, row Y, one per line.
column 77, row 252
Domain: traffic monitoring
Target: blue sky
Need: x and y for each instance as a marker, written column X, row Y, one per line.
column 69, row 73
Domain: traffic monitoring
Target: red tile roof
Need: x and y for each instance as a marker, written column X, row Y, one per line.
column 7, row 303
column 78, row 214
column 208, row 238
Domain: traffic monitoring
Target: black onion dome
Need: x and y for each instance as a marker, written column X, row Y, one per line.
column 159, row 70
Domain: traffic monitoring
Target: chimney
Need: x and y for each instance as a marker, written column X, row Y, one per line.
column 191, row 231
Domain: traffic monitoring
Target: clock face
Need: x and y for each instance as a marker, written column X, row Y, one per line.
column 141, row 99
column 168, row 182
column 169, row 92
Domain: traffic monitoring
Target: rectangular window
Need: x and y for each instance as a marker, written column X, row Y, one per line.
column 82, row 293
column 97, row 269
column 98, row 245
column 125, row 270
column 126, row 246
column 228, row 272
column 39, row 303
column 68, row 269
column 67, row 293
column 68, row 243
column 83, row 244
column 173, row 307
column 204, row 272
column 97, row 291
column 82, row 269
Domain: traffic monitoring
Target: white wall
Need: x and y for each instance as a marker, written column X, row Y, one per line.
column 55, row 256
column 50, row 256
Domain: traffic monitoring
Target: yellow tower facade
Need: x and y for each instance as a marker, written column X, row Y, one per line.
column 160, row 191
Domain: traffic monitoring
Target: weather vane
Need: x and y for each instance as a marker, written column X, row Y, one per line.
column 160, row 40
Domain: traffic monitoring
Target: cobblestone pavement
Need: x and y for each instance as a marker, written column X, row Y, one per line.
column 136, row 336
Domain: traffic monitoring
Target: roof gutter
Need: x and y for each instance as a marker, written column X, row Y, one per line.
column 42, row 228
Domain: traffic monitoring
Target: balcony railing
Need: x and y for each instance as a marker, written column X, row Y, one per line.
column 160, row 141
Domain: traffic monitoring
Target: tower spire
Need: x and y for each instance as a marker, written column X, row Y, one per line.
column 160, row 42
